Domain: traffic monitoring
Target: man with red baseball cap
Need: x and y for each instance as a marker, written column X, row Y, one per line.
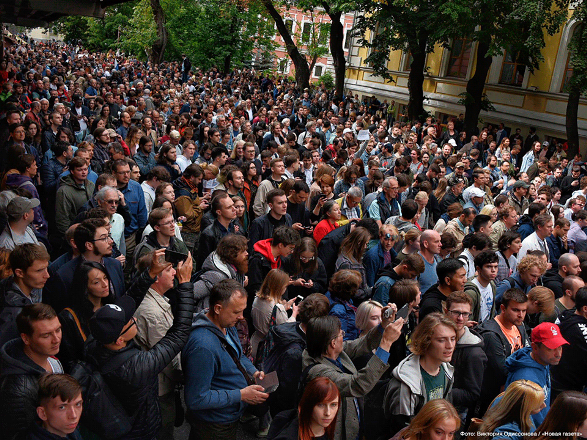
column 533, row 363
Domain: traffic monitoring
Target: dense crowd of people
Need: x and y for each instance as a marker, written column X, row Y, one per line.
column 279, row 256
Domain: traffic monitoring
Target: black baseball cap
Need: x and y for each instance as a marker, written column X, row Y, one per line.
column 108, row 321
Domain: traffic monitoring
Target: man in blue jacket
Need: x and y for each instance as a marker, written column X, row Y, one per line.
column 135, row 200
column 218, row 376
column 533, row 363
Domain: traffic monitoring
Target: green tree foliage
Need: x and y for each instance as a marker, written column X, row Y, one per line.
column 577, row 84
column 413, row 26
column 516, row 26
column 221, row 33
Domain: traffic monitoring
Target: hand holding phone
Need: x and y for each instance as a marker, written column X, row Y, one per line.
column 174, row 257
column 270, row 382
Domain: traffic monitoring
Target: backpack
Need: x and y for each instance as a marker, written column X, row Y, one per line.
column 266, row 345
column 103, row 414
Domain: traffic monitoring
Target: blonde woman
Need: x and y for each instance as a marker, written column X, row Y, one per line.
column 510, row 416
column 268, row 303
column 437, row 419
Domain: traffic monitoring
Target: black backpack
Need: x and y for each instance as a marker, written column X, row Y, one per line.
column 103, row 414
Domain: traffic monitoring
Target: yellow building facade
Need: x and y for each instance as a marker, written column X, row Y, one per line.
column 521, row 99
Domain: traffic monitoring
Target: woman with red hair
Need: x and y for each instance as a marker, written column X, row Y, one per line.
column 315, row 417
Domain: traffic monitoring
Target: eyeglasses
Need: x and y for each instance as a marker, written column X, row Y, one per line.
column 104, row 239
column 134, row 322
column 456, row 314
column 169, row 223
column 112, row 202
column 307, row 258
column 388, row 236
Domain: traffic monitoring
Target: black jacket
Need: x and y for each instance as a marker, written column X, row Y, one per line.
column 569, row 374
column 286, row 359
column 12, row 300
column 553, row 281
column 329, row 247
column 319, row 279
column 450, row 198
column 285, row 426
column 211, row 236
column 135, row 383
column 262, row 228
column 431, row 301
column 72, row 341
column 18, row 389
column 469, row 361
column 497, row 349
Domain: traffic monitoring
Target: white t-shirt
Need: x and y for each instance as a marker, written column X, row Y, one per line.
column 486, row 300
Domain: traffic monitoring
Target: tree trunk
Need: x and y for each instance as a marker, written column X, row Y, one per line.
column 475, row 86
column 572, row 127
column 158, row 48
column 416, row 81
column 299, row 60
column 337, row 50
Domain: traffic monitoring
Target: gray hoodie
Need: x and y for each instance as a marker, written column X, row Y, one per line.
column 214, row 271
column 406, row 392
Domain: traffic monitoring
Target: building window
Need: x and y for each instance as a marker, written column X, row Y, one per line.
column 408, row 58
column 289, row 25
column 283, row 65
column 306, row 32
column 512, row 69
column 318, row 71
column 324, row 33
column 460, row 55
column 347, row 39
column 568, row 72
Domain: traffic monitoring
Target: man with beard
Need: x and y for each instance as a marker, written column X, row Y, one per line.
column 94, row 243
column 230, row 260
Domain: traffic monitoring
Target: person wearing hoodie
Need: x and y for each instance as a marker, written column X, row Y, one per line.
column 132, row 374
column 502, row 336
column 481, row 288
column 469, row 359
column 533, row 363
column 510, row 417
column 408, row 269
column 29, row 264
column 230, row 260
column 526, row 221
column 285, row 357
column 23, row 361
column 163, row 235
column 569, row 374
column 74, row 192
column 219, row 378
column 27, row 171
column 267, row 255
column 424, row 375
column 568, row 264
